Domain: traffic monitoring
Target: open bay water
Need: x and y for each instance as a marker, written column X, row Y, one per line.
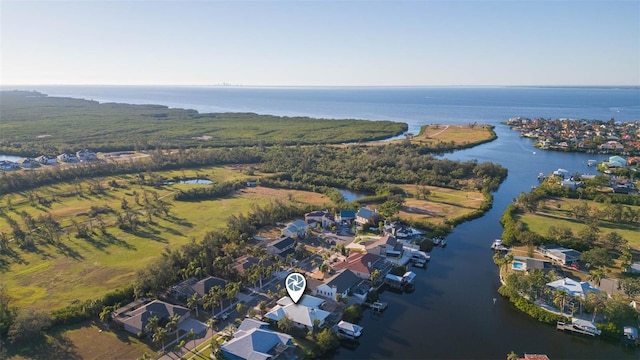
column 451, row 314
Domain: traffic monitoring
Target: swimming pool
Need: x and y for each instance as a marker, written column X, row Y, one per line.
column 517, row 265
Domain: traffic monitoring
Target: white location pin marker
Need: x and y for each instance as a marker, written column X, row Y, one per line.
column 295, row 283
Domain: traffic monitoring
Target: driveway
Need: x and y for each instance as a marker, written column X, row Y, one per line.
column 194, row 324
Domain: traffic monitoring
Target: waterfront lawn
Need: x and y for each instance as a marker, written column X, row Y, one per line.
column 459, row 134
column 552, row 215
column 441, row 204
column 79, row 269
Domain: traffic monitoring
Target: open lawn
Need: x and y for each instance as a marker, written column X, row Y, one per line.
column 459, row 134
column 82, row 341
column 442, row 204
column 552, row 215
column 54, row 275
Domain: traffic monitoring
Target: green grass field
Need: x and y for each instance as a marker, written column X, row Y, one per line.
column 83, row 269
column 551, row 215
column 442, row 204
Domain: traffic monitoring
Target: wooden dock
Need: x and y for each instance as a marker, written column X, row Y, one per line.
column 569, row 327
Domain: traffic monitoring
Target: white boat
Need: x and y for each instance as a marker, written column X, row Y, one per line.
column 348, row 330
column 591, row 162
column 585, row 325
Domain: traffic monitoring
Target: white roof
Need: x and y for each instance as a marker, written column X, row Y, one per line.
column 573, row 287
column 306, row 300
column 297, row 313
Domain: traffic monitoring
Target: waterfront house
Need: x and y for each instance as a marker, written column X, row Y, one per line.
column 611, row 146
column 363, row 264
column 296, row 229
column 303, row 314
column 387, row 246
column 339, row 284
column 135, row 316
column 86, row 155
column 521, row 263
column 560, row 255
column 28, row 163
column 46, row 160
column 616, row 162
column 573, row 288
column 255, row 341
column 67, row 158
column 6, row 165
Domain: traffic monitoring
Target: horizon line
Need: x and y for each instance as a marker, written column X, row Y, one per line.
column 224, row 85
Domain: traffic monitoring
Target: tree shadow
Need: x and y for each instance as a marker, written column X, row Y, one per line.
column 68, row 252
column 152, row 235
column 178, row 221
column 53, row 347
column 169, row 230
column 110, row 239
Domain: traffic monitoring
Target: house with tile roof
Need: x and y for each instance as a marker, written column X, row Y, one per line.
column 185, row 289
column 363, row 264
column 255, row 341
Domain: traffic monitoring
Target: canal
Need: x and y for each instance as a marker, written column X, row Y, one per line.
column 451, row 314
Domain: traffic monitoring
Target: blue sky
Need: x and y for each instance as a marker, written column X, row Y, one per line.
column 333, row 43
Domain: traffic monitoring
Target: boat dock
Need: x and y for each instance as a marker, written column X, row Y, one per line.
column 569, row 327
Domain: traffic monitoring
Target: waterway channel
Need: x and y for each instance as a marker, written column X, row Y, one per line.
column 451, row 314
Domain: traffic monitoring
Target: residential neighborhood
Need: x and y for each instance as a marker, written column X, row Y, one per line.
column 199, row 307
column 581, row 135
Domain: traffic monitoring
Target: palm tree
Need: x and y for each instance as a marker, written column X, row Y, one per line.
column 215, row 297
column 324, row 268
column 152, row 323
column 158, row 336
column 558, row 298
column 231, row 289
column 192, row 302
column 508, row 259
column 172, row 325
column 374, row 276
column 596, row 275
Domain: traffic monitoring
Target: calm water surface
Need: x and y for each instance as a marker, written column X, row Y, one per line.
column 451, row 314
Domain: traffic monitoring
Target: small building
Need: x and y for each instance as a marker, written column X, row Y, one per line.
column 252, row 184
column 244, row 262
column 387, row 246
